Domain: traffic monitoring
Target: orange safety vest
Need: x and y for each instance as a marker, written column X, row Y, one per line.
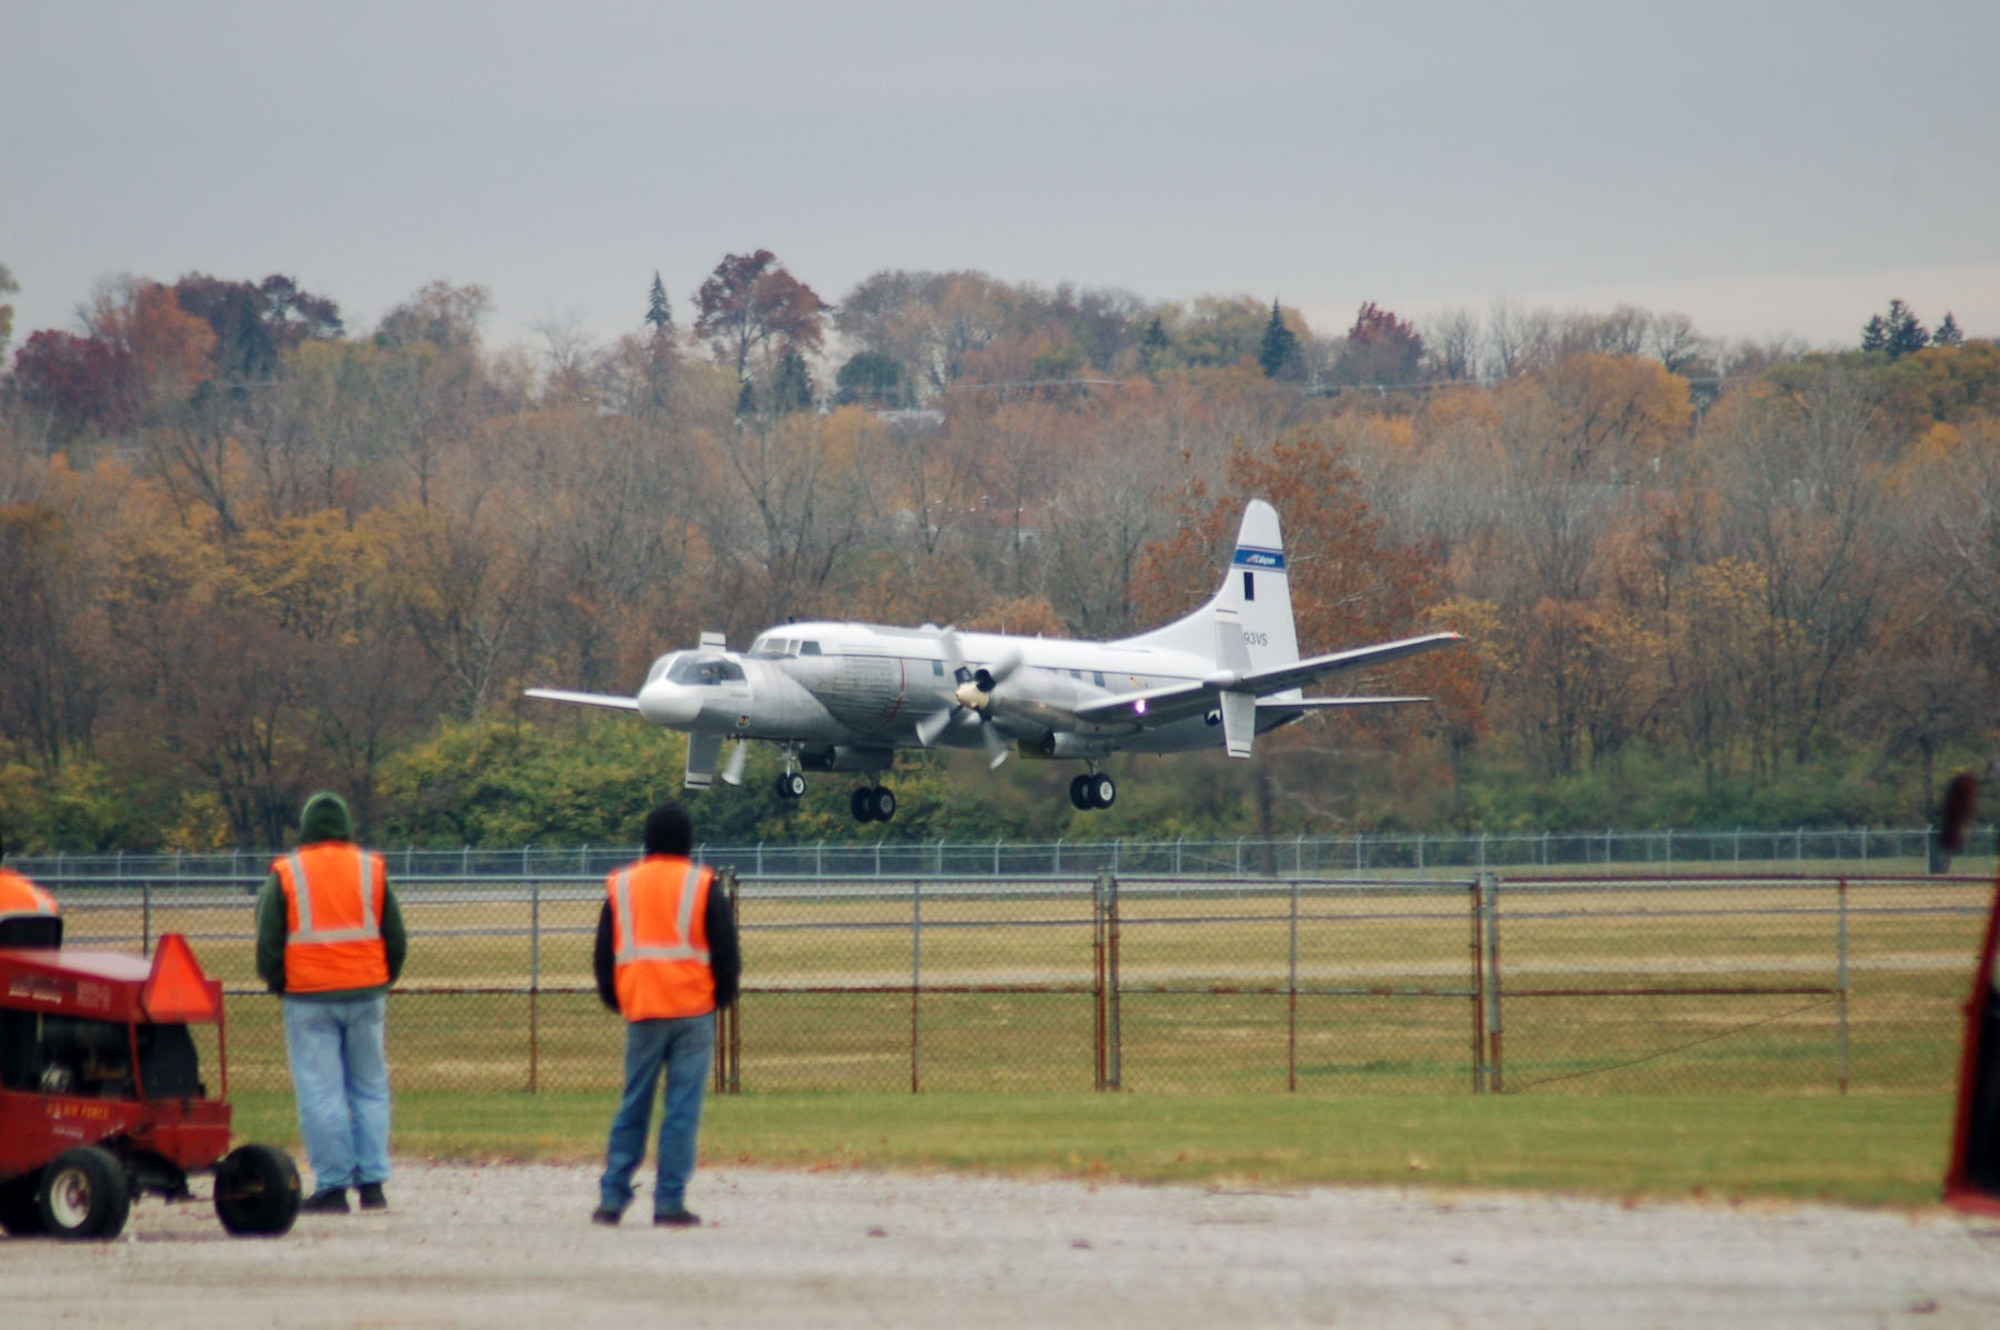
column 659, row 916
column 20, row 896
column 333, row 928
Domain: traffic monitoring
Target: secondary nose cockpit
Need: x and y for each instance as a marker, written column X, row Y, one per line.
column 677, row 683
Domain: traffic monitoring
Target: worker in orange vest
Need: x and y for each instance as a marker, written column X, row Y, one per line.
column 29, row 916
column 666, row 960
column 330, row 939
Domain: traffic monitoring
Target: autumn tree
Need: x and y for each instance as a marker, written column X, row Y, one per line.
column 1381, row 349
column 750, row 305
column 446, row 316
column 256, row 323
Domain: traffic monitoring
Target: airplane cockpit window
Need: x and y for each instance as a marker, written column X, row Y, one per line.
column 705, row 671
column 771, row 646
column 660, row 666
column 808, row 648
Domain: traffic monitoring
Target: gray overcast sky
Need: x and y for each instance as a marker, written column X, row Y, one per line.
column 1767, row 168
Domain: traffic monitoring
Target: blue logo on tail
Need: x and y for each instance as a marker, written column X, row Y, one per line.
column 1271, row 560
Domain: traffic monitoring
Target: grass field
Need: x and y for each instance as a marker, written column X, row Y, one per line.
column 1887, row 1150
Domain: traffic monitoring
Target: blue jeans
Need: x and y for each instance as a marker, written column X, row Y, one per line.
column 684, row 1045
column 341, row 1079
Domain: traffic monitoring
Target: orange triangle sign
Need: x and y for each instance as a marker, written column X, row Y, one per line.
column 177, row 990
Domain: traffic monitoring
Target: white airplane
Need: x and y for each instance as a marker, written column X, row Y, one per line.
column 846, row 696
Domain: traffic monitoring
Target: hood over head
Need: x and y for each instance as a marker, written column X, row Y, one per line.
column 325, row 817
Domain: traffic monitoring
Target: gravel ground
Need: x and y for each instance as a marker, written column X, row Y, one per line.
column 511, row 1245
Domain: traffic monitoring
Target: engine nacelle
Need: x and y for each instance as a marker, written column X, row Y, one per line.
column 839, row 757
column 1064, row 744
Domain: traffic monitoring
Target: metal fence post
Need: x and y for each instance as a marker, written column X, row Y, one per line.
column 1115, row 1052
column 1100, row 996
column 1490, row 885
column 1478, row 916
column 916, row 972
column 1292, row 999
column 1841, row 983
column 534, row 986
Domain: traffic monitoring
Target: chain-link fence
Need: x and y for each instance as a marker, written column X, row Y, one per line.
column 1600, row 983
column 1825, row 851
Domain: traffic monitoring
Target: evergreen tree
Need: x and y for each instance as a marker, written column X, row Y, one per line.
column 873, row 379
column 1280, row 350
column 792, row 385
column 1897, row 332
column 659, row 312
column 1948, row 332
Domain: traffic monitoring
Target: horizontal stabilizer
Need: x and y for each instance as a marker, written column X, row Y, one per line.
column 1161, row 706
column 585, row 699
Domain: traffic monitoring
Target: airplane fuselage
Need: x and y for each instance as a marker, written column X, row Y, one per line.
column 864, row 687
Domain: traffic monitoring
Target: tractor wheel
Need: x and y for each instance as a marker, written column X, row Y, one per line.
column 257, row 1192
column 20, row 1217
column 84, row 1194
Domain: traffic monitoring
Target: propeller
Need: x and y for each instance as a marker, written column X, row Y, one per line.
column 972, row 692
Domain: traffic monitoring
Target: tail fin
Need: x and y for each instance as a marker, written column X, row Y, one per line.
column 1255, row 588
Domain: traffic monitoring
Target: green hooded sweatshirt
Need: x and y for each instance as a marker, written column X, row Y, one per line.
column 325, row 818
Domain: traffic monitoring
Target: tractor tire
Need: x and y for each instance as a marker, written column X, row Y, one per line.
column 20, row 1216
column 84, row 1195
column 257, row 1192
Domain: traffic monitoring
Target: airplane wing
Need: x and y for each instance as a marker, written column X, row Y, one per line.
column 1161, row 706
column 1322, row 703
column 585, row 699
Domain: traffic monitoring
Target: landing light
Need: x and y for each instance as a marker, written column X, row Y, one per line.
column 1139, row 707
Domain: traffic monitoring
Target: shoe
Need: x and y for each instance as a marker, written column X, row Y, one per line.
column 606, row 1216
column 372, row 1197
column 678, row 1219
column 325, row 1201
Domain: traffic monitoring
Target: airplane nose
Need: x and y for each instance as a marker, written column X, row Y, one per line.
column 666, row 703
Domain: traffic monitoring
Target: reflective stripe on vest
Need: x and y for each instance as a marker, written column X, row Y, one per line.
column 629, row 949
column 368, row 930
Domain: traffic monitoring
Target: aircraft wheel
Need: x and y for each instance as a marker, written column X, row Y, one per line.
column 257, row 1191
column 862, row 804
column 790, row 785
column 884, row 803
column 1079, row 794
column 1103, row 791
column 84, row 1194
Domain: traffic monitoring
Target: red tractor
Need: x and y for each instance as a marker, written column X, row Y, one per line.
column 101, row 1095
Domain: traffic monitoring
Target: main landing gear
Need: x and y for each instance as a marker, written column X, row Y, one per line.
column 1093, row 789
column 876, row 803
column 873, row 803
